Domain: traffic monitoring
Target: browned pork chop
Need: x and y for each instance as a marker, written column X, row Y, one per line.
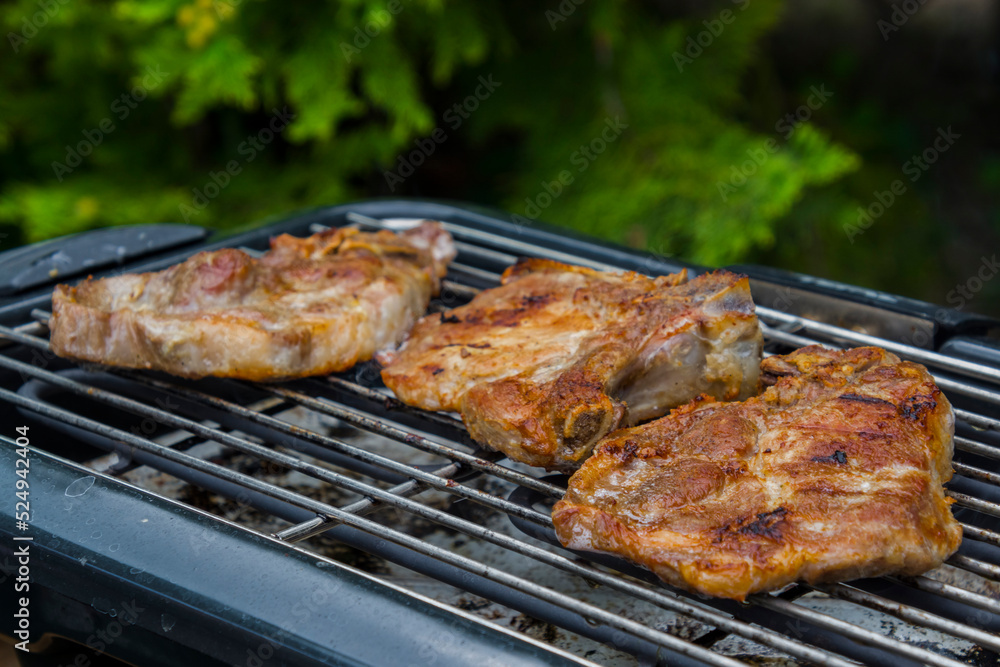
column 558, row 356
column 833, row 473
column 308, row 306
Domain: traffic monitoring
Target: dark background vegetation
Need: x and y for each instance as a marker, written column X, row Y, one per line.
column 202, row 76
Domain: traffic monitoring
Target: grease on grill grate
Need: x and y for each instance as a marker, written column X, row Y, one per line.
column 246, row 515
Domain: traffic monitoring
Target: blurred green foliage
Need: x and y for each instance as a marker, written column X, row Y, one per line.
column 126, row 111
column 185, row 83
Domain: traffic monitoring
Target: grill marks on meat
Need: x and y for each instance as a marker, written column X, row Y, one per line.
column 308, row 306
column 835, row 472
column 558, row 356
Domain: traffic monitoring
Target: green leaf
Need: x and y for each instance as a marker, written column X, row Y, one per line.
column 223, row 73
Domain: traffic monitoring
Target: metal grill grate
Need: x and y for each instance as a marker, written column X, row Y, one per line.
column 956, row 611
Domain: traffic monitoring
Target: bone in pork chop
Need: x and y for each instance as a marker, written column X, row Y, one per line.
column 308, row 306
column 833, row 473
column 543, row 366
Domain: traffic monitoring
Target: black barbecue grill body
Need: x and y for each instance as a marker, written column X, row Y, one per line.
column 220, row 593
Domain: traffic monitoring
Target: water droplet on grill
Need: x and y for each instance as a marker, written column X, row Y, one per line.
column 80, row 486
column 136, row 570
column 96, row 535
column 167, row 622
column 114, row 547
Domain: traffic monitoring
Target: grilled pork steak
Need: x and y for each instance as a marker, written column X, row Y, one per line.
column 558, row 356
column 833, row 473
column 306, row 307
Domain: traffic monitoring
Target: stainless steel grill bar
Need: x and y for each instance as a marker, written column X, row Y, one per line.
column 669, row 641
column 248, row 447
column 976, row 473
column 863, row 635
column 481, row 274
column 974, row 503
column 139, row 443
column 268, row 406
column 592, row 573
column 30, row 328
column 973, row 447
column 360, row 420
column 391, row 403
column 495, row 255
column 981, row 534
column 451, row 288
column 594, row 613
column 976, row 566
column 927, row 357
column 310, row 528
column 314, row 527
column 319, row 525
column 349, row 415
column 953, row 593
column 911, row 614
column 519, row 248
column 773, row 334
column 977, row 420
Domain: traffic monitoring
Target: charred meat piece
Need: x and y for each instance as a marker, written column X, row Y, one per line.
column 557, row 357
column 833, row 473
column 308, row 306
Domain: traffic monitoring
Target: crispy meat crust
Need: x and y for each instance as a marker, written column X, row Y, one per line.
column 833, row 473
column 558, row 356
column 308, row 306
